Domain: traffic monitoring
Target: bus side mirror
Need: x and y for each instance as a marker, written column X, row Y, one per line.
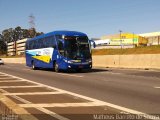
column 92, row 42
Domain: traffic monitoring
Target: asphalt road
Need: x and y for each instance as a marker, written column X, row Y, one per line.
column 134, row 89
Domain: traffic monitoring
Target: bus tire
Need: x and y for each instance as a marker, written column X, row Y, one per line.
column 33, row 65
column 56, row 68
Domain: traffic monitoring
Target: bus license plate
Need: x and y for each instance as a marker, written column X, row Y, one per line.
column 80, row 66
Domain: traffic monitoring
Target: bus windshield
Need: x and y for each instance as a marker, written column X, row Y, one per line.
column 77, row 48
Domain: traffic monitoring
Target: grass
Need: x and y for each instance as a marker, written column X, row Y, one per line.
column 137, row 50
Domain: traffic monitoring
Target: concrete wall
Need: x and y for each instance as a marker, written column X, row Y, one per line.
column 123, row 61
column 14, row 60
column 128, row 61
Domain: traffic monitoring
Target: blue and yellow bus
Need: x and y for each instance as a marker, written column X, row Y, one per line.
column 59, row 50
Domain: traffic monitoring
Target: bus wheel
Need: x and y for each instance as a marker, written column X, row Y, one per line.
column 56, row 67
column 33, row 66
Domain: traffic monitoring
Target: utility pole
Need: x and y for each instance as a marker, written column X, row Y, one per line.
column 133, row 39
column 120, row 31
column 158, row 40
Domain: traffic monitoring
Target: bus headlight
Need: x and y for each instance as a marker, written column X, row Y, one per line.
column 89, row 60
column 70, row 61
column 65, row 61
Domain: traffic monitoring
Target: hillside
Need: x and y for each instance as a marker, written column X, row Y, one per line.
column 137, row 50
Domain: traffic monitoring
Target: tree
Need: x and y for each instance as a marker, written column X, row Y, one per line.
column 39, row 33
column 25, row 33
column 8, row 35
column 18, row 33
column 32, row 32
column 11, row 35
column 3, row 46
column 15, row 34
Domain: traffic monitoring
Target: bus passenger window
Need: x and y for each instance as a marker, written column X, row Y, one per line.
column 60, row 47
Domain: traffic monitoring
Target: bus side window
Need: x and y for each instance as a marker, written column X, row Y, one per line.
column 53, row 42
column 46, row 42
column 50, row 41
column 43, row 43
column 60, row 45
column 58, row 39
column 35, row 44
column 61, row 48
column 27, row 47
column 31, row 45
column 39, row 43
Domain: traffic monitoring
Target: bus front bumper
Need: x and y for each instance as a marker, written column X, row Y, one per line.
column 79, row 66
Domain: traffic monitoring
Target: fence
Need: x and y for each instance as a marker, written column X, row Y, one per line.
column 128, row 61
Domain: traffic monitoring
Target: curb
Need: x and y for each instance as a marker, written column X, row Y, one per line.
column 11, row 111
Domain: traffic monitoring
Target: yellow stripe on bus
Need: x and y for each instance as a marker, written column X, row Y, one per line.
column 43, row 58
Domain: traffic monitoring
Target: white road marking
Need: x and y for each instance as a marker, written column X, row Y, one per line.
column 41, row 109
column 3, row 75
column 107, row 72
column 34, row 93
column 21, row 99
column 27, row 69
column 53, row 114
column 86, row 104
column 69, row 75
column 157, row 87
column 2, row 87
column 115, row 73
column 3, row 91
column 14, row 109
column 6, row 78
column 90, row 99
column 18, row 98
column 3, row 81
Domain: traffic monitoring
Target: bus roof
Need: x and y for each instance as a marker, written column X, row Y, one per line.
column 66, row 33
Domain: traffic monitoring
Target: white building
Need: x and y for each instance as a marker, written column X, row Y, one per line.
column 17, row 47
column 102, row 42
column 153, row 38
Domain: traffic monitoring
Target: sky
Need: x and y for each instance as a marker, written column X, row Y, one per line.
column 93, row 17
